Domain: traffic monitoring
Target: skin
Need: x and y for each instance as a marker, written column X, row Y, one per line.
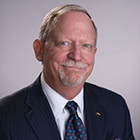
column 72, row 39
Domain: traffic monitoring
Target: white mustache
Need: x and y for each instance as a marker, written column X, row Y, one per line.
column 74, row 64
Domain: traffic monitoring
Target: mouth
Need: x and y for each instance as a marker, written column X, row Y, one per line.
column 72, row 65
column 73, row 68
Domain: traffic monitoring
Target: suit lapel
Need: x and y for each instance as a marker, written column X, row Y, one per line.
column 40, row 116
column 95, row 116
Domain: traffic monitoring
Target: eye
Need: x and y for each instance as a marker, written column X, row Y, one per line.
column 64, row 43
column 86, row 45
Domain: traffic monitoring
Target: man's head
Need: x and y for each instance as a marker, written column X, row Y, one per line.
column 67, row 48
column 51, row 18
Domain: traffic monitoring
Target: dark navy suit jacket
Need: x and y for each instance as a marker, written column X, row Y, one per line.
column 26, row 115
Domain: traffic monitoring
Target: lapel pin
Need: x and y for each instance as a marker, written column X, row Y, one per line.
column 97, row 114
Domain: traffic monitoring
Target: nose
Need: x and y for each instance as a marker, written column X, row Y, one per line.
column 75, row 54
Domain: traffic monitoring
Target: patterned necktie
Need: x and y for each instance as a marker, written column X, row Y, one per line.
column 74, row 129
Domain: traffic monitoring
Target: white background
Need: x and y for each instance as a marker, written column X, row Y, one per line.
column 117, row 64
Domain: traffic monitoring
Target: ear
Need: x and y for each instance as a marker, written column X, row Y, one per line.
column 95, row 50
column 38, row 47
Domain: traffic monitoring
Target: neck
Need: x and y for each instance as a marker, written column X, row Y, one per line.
column 69, row 92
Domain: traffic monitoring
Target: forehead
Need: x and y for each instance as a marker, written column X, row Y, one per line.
column 72, row 17
column 73, row 21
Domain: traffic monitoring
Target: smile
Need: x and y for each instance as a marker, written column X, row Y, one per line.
column 74, row 68
column 73, row 65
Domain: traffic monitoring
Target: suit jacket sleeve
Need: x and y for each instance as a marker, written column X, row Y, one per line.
column 128, row 127
column 4, row 135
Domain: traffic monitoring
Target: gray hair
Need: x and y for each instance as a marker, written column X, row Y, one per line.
column 51, row 17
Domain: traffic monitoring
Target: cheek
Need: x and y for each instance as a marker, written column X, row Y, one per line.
column 89, row 58
column 90, row 61
column 53, row 59
column 59, row 56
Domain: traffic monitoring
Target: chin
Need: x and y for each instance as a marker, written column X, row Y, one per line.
column 72, row 80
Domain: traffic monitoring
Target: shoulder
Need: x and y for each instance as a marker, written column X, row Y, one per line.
column 104, row 96
column 14, row 97
column 13, row 104
column 101, row 91
column 19, row 96
column 18, row 101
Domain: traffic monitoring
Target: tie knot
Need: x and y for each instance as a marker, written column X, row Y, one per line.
column 71, row 106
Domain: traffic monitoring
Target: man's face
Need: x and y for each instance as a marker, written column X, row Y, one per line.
column 68, row 54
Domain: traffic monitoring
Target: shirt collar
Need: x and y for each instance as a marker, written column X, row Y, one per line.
column 58, row 102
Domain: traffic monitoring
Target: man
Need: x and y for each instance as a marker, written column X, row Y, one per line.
column 66, row 47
